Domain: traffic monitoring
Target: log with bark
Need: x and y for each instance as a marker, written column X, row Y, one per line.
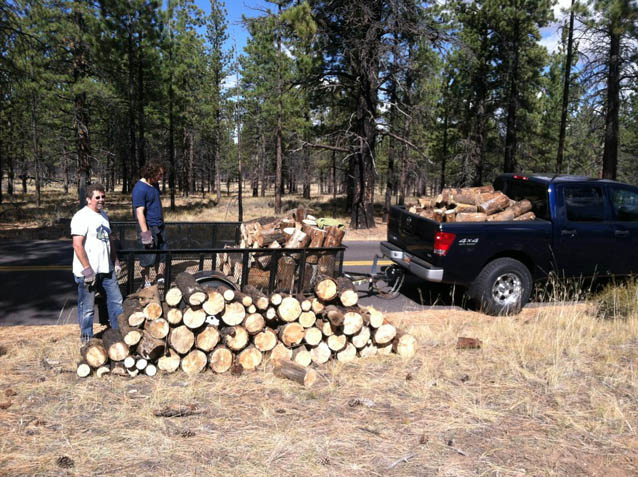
column 288, row 369
column 193, row 293
column 114, row 344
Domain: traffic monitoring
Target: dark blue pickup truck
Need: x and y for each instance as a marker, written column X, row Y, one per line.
column 584, row 228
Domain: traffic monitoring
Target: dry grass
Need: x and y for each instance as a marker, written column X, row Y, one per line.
column 21, row 218
column 553, row 391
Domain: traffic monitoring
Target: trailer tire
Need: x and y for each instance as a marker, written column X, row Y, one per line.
column 214, row 278
column 503, row 287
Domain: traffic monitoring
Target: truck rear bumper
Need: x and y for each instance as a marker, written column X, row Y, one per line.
column 414, row 265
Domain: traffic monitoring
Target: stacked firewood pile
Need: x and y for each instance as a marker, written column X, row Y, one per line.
column 297, row 230
column 225, row 330
column 473, row 204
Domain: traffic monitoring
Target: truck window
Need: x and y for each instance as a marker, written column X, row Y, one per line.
column 534, row 192
column 625, row 204
column 584, row 203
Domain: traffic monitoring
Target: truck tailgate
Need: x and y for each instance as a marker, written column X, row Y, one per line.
column 412, row 233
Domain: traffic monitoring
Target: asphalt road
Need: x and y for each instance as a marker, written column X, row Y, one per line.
column 37, row 288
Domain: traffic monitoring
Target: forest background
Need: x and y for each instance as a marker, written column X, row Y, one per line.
column 386, row 97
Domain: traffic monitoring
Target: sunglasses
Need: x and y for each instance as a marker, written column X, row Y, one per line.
column 98, row 197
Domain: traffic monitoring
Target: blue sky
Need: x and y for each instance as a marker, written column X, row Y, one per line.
column 236, row 32
column 250, row 8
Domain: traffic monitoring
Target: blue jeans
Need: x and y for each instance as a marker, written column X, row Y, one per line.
column 159, row 243
column 106, row 283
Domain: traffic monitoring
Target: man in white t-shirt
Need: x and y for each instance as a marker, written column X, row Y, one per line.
column 95, row 263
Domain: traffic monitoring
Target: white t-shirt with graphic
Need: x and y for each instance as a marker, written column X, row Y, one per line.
column 96, row 228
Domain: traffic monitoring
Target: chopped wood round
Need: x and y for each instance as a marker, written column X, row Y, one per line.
column 307, row 319
column 404, row 345
column 326, row 289
column 215, row 303
column 259, row 299
column 83, row 370
column 173, row 296
column 349, row 353
column 158, row 328
column 317, row 305
column 235, row 337
column 194, row 317
column 375, row 319
column 94, row 353
column 313, row 336
column 276, row 299
column 221, row 359
column 141, row 363
column 305, row 303
column 153, row 311
column 249, row 358
column 301, row 355
column 352, row 323
column 384, row 334
column 289, row 309
column 360, row 340
column 271, row 314
column 384, row 349
column 132, row 372
column 133, row 337
column 174, row 316
column 280, row 351
column 348, row 295
column 266, row 340
column 321, row 353
column 150, row 370
column 244, row 299
column 102, row 370
column 194, row 362
column 325, row 327
column 368, row 350
column 136, row 318
column 254, row 323
column 114, row 344
column 291, row 334
column 234, row 313
column 169, row 363
column 337, row 342
column 207, row 339
column 181, row 339
column 129, row 362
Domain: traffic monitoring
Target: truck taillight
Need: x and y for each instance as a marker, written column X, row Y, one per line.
column 442, row 242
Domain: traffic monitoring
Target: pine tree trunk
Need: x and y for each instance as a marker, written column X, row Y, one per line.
column 610, row 153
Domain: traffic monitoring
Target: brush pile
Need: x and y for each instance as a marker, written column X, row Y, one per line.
column 198, row 327
column 473, row 204
column 298, row 230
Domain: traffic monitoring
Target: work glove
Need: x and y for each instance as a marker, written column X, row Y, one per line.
column 117, row 267
column 147, row 238
column 89, row 276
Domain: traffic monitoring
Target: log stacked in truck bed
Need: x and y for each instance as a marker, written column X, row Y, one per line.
column 472, row 204
column 220, row 333
column 297, row 231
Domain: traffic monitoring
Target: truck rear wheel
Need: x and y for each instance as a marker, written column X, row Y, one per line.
column 502, row 288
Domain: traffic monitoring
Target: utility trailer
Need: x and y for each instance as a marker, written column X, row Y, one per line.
column 196, row 247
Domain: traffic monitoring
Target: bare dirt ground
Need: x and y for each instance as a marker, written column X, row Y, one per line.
column 21, row 218
column 552, row 391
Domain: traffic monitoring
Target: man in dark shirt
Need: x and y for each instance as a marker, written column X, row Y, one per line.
column 147, row 209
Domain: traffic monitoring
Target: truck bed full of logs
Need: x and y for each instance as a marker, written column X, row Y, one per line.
column 472, row 204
